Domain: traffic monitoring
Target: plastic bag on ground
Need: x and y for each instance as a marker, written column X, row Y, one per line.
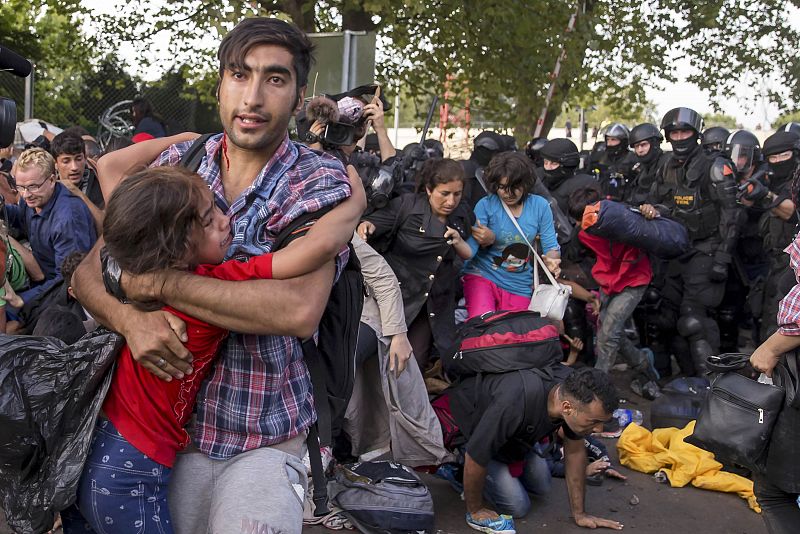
column 50, row 397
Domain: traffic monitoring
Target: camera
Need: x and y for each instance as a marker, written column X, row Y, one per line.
column 18, row 66
column 338, row 134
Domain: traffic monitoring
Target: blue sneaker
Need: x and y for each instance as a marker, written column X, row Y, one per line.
column 502, row 525
column 448, row 473
column 651, row 360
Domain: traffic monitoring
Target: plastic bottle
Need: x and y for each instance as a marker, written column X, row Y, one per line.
column 625, row 417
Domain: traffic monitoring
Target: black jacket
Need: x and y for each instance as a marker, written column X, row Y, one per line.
column 426, row 266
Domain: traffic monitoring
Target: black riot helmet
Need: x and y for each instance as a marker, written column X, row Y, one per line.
column 744, row 150
column 682, row 119
column 793, row 127
column 618, row 130
column 782, row 166
column 562, row 151
column 714, row 138
column 434, row 148
column 643, row 132
column 647, row 132
column 533, row 149
column 621, row 132
column 485, row 146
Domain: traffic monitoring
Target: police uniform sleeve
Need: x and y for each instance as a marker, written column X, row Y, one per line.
column 723, row 187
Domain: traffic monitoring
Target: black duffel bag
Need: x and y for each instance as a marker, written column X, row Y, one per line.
column 738, row 415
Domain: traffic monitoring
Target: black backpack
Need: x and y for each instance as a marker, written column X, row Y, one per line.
column 331, row 361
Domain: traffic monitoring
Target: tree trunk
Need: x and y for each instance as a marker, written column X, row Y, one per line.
column 302, row 13
column 355, row 17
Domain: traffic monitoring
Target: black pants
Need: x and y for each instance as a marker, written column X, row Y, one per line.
column 778, row 508
column 421, row 338
column 367, row 344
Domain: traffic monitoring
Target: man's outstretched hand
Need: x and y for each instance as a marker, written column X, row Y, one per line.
column 590, row 521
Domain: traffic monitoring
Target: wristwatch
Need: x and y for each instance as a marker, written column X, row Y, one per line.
column 112, row 273
column 311, row 138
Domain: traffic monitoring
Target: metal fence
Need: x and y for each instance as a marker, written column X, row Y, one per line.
column 100, row 102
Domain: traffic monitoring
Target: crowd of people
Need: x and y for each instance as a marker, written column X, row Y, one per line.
column 211, row 402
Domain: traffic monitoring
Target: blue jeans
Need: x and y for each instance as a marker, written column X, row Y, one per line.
column 508, row 494
column 121, row 490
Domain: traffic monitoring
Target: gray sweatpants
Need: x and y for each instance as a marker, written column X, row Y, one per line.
column 256, row 492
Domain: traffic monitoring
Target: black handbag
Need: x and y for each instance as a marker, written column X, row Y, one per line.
column 738, row 415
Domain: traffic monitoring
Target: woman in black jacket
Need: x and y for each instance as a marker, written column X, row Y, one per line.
column 422, row 238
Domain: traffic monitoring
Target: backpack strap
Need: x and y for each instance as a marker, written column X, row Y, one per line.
column 320, row 493
column 319, row 434
column 192, row 158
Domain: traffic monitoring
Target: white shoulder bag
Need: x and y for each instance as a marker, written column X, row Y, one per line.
column 548, row 300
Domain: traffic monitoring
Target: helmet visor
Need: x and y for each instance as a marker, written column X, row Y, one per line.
column 742, row 157
column 683, row 118
column 383, row 182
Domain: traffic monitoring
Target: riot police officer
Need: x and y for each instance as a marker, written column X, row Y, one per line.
column 749, row 266
column 778, row 224
column 699, row 191
column 645, row 140
column 485, row 146
column 560, row 160
column 533, row 150
column 613, row 166
column 714, row 139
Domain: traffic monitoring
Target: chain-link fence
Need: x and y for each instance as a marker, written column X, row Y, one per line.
column 100, row 101
column 13, row 87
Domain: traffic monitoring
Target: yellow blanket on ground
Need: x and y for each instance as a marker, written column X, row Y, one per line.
column 665, row 450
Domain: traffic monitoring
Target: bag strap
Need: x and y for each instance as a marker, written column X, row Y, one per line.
column 533, row 250
column 192, row 158
column 479, row 177
column 320, row 493
column 723, row 363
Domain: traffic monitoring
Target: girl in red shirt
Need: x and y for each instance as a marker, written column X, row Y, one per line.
column 166, row 217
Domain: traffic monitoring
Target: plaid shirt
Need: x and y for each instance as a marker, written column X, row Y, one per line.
column 789, row 308
column 260, row 391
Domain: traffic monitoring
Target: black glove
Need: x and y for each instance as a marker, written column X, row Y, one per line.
column 719, row 272
column 753, row 190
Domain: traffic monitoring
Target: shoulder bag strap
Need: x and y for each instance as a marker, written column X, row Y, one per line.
column 533, row 250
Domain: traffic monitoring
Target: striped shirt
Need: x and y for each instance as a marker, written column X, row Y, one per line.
column 789, row 308
column 259, row 392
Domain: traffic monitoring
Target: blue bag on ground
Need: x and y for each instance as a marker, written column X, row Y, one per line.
column 50, row 396
column 679, row 403
column 382, row 497
column 662, row 237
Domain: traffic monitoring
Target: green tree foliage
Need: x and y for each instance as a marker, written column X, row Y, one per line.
column 719, row 119
column 47, row 33
column 497, row 55
column 789, row 116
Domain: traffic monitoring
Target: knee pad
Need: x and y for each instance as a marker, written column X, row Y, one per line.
column 652, row 297
column 690, row 326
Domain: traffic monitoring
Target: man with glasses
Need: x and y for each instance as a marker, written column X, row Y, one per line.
column 54, row 222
